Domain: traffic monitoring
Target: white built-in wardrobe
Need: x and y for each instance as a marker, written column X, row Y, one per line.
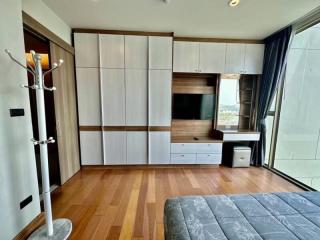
column 124, row 98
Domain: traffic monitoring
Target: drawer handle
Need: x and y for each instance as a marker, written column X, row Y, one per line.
column 182, row 155
column 208, row 155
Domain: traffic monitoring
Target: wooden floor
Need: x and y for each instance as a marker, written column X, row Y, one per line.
column 128, row 203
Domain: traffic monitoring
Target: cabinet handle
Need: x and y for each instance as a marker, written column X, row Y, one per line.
column 182, row 155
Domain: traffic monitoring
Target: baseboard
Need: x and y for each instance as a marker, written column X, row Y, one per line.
column 150, row 166
column 31, row 227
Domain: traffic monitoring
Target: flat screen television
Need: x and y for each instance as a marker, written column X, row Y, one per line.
column 193, row 106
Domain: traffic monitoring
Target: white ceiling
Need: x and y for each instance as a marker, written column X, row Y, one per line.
column 252, row 19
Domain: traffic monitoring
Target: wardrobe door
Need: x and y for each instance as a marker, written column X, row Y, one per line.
column 113, row 97
column 186, row 56
column 159, row 147
column 88, row 88
column 115, row 148
column 254, row 58
column 111, row 51
column 137, row 147
column 212, row 57
column 160, row 52
column 91, row 147
column 136, row 97
column 160, row 97
column 235, row 55
column 136, row 52
column 86, row 49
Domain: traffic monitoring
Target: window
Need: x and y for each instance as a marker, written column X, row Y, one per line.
column 297, row 139
column 229, row 104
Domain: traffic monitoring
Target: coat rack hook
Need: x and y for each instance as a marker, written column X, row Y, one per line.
column 55, row 66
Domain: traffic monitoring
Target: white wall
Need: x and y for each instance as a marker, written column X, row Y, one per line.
column 18, row 176
column 39, row 11
column 298, row 144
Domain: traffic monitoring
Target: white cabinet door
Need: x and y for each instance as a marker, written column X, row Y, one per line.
column 186, row 56
column 212, row 57
column 86, row 50
column 159, row 147
column 115, row 149
column 113, row 97
column 254, row 58
column 91, row 148
column 136, row 52
column 137, row 148
column 160, row 52
column 160, row 97
column 136, row 97
column 88, row 89
column 235, row 55
column 111, row 51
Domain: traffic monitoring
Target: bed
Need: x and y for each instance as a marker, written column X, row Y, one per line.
column 251, row 216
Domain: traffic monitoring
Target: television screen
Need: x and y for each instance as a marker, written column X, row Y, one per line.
column 193, row 106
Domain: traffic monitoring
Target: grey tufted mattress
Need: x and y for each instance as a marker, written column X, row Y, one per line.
column 252, row 216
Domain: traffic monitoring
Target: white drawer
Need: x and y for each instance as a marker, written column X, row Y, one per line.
column 241, row 137
column 209, row 148
column 209, row 158
column 183, row 158
column 183, row 148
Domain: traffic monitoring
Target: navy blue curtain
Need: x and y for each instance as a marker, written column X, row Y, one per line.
column 276, row 48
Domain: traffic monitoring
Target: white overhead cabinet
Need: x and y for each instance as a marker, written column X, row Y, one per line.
column 86, row 50
column 199, row 57
column 160, row 53
column 185, row 56
column 253, row 63
column 115, row 147
column 136, row 52
column 91, row 148
column 235, row 56
column 113, row 97
column 212, row 57
column 137, row 148
column 111, row 51
column 244, row 58
column 159, row 147
column 136, row 97
column 88, row 87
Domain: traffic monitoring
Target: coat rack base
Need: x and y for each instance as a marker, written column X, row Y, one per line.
column 61, row 231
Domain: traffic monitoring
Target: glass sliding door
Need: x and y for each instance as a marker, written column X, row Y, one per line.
column 297, row 148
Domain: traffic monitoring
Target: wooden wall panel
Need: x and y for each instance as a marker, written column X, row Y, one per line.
column 66, row 112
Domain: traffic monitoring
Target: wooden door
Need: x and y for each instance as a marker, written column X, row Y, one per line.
column 186, row 56
column 66, row 112
column 212, row 57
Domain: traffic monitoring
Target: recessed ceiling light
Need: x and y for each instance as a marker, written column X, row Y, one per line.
column 234, row 3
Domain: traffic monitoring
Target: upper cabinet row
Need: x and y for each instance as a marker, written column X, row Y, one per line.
column 123, row 51
column 210, row 57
